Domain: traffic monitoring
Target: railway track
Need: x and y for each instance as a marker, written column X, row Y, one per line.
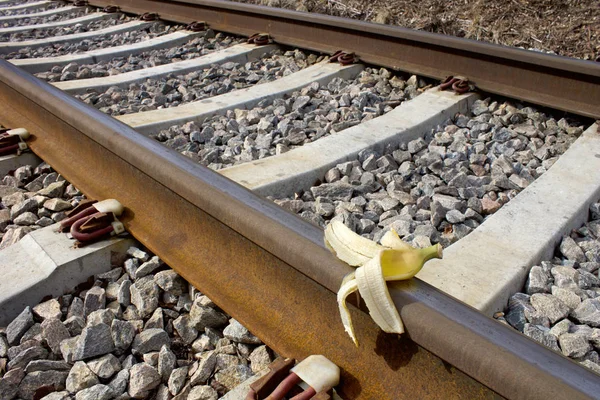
column 503, row 176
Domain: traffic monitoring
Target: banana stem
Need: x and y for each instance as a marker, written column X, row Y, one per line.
column 430, row 252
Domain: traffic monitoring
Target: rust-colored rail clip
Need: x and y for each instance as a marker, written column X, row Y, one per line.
column 313, row 378
column 91, row 221
column 260, row 39
column 196, row 26
column 149, row 16
column 459, row 84
column 12, row 141
column 343, row 57
column 111, row 9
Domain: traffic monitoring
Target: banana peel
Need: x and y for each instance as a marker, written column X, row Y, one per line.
column 391, row 260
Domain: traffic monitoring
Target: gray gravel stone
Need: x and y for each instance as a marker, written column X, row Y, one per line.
column 203, row 393
column 148, row 267
column 206, row 367
column 142, row 379
column 57, row 205
column 23, row 207
column 565, row 277
column 35, row 380
column 455, row 217
column 571, row 251
column 567, row 297
column 239, row 334
column 171, row 282
column 549, row 306
column 539, row 281
column 334, row 191
column 76, row 308
column 137, row 253
column 233, row 376
column 259, row 359
column 26, row 219
column 156, row 320
column 95, row 340
column 95, row 299
column 144, row 295
column 206, row 317
column 3, row 346
column 124, row 293
column 517, row 305
column 150, row 340
column 119, row 383
column 26, row 356
column 104, row 316
column 54, row 332
column 74, row 325
column 62, row 395
column 25, row 344
column 80, row 377
column 588, row 312
column 541, row 335
column 68, row 347
column 105, row 367
column 574, row 345
column 18, row 326
column 97, row 392
column 47, row 365
column 166, row 362
column 177, row 380
column 48, row 309
column 9, row 384
column 185, row 328
column 33, row 333
column 561, row 327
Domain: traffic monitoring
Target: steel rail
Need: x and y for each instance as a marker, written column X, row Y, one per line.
column 270, row 270
column 558, row 82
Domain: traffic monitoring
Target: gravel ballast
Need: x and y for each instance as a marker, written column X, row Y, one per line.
column 50, row 6
column 197, row 47
column 172, row 91
column 25, row 20
column 439, row 188
column 560, row 303
column 276, row 126
column 99, row 42
column 64, row 30
column 138, row 331
column 33, row 198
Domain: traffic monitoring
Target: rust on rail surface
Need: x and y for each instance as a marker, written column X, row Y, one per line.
column 270, row 270
column 559, row 82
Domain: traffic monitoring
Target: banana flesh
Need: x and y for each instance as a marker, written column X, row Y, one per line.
column 391, row 260
column 354, row 249
column 348, row 287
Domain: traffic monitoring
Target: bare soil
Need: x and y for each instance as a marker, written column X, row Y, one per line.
column 566, row 27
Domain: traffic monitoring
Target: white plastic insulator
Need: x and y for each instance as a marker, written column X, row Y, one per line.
column 24, row 133
column 22, row 146
column 109, row 205
column 118, row 228
column 318, row 372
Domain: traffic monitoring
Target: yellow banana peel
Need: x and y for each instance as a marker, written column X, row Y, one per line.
column 392, row 260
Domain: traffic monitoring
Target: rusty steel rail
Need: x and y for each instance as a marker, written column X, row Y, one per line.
column 270, row 270
column 558, row 82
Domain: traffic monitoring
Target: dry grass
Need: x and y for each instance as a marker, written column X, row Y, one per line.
column 569, row 27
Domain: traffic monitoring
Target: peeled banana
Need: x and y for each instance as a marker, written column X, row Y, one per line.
column 392, row 260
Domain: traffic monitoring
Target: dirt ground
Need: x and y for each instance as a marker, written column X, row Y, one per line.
column 566, row 27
